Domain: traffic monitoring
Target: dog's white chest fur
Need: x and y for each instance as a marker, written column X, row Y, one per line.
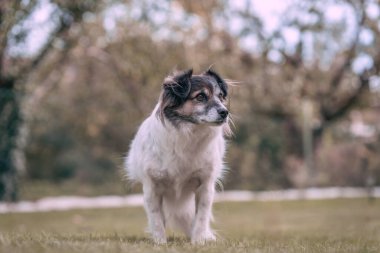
column 176, row 159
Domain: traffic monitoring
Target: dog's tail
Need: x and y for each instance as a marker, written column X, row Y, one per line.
column 179, row 213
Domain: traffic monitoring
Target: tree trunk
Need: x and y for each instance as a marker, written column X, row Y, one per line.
column 302, row 143
column 9, row 122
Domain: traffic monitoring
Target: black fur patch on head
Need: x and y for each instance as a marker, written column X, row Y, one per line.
column 222, row 84
column 179, row 85
column 176, row 89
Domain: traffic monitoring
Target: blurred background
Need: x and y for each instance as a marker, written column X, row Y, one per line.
column 78, row 77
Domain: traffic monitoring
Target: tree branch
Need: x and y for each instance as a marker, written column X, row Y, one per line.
column 9, row 17
column 330, row 115
column 23, row 72
column 349, row 54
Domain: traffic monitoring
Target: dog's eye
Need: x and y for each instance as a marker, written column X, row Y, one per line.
column 201, row 97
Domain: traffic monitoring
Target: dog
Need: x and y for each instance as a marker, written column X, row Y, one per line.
column 177, row 155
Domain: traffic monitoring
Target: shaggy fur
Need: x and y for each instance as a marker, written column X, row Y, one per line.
column 177, row 155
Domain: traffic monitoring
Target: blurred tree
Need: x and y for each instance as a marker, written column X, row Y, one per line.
column 312, row 74
column 15, row 70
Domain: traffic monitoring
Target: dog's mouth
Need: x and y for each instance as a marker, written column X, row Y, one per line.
column 221, row 121
column 216, row 122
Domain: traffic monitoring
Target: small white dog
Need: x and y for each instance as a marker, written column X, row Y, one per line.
column 177, row 154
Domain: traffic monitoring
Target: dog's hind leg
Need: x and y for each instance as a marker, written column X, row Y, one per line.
column 153, row 208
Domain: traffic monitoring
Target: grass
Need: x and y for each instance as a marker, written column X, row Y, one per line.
column 292, row 226
column 36, row 189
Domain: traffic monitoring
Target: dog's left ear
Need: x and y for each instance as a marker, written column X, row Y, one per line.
column 222, row 84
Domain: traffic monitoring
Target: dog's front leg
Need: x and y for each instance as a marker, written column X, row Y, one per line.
column 201, row 228
column 153, row 208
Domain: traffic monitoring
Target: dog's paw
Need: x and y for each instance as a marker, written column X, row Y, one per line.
column 202, row 238
column 159, row 240
column 159, row 237
column 158, row 234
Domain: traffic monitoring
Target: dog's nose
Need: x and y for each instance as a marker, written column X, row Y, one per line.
column 223, row 113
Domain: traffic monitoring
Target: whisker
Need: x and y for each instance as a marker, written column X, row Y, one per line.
column 233, row 83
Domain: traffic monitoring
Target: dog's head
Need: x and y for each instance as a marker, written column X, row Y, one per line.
column 196, row 99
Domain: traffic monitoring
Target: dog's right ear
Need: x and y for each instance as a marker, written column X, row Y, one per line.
column 176, row 88
column 179, row 84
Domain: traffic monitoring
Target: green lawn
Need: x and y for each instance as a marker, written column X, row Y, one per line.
column 292, row 226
